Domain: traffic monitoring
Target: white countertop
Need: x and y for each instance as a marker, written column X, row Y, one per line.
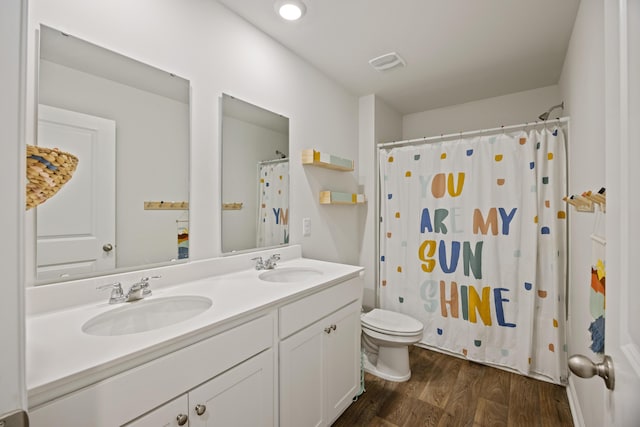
column 62, row 358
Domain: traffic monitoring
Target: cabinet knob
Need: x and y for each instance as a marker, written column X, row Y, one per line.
column 182, row 419
column 200, row 409
column 330, row 328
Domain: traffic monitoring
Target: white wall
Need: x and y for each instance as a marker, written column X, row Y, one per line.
column 152, row 156
column 245, row 144
column 218, row 52
column 377, row 123
column 12, row 181
column 512, row 109
column 582, row 85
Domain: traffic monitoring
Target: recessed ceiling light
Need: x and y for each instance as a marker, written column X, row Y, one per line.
column 291, row 10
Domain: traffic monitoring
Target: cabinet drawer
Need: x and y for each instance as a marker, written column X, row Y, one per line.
column 304, row 312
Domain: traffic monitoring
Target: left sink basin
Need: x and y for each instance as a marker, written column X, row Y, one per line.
column 146, row 315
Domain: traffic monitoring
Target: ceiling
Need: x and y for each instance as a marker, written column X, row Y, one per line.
column 456, row 51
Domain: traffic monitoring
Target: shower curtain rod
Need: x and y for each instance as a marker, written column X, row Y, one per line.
column 269, row 162
column 431, row 139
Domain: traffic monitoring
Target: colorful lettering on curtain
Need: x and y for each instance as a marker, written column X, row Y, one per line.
column 473, row 244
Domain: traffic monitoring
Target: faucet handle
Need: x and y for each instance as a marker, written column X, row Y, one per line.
column 117, row 295
column 147, row 278
column 271, row 262
column 144, row 284
column 259, row 262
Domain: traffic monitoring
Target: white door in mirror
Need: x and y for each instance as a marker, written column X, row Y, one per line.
column 76, row 225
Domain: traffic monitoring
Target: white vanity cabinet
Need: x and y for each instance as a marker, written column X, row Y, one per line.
column 267, row 355
column 242, row 396
column 320, row 355
column 230, row 373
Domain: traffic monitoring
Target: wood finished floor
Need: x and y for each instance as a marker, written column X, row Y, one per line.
column 446, row 391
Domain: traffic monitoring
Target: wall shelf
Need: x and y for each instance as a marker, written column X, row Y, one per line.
column 324, row 160
column 338, row 198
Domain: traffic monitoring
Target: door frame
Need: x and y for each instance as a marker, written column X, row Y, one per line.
column 13, row 20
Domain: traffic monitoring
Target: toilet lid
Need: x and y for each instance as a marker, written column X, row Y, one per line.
column 390, row 322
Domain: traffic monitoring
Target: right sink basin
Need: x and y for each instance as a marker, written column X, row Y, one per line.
column 290, row 274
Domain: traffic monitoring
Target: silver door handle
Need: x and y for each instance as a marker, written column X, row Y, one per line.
column 107, row 247
column 583, row 367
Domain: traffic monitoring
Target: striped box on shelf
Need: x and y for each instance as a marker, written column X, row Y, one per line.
column 338, row 198
column 324, row 160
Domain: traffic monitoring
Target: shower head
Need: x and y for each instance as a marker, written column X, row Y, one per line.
column 544, row 116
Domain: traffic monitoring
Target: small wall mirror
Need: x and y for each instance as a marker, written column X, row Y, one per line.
column 126, row 206
column 255, row 177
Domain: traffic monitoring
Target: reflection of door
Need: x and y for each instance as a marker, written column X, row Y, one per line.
column 76, row 227
column 622, row 26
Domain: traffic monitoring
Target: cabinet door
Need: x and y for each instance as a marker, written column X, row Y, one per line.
column 241, row 397
column 302, row 378
column 342, row 360
column 172, row 414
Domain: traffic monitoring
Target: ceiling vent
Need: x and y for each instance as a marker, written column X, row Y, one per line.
column 387, row 61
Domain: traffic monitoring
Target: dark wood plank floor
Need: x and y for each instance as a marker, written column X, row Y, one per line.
column 446, row 391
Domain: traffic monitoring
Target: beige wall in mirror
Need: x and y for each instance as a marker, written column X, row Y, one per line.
column 255, row 177
column 126, row 207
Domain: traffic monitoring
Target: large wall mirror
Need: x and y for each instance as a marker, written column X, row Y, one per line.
column 255, row 177
column 126, row 206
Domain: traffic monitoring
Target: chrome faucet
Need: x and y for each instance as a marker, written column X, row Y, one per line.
column 138, row 290
column 117, row 296
column 259, row 262
column 268, row 264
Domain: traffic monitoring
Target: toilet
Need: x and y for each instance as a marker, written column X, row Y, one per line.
column 386, row 337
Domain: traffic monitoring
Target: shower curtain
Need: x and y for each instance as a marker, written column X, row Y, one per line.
column 473, row 244
column 273, row 203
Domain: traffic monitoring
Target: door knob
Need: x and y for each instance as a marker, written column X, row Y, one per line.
column 200, row 409
column 583, row 367
column 182, row 419
column 107, row 247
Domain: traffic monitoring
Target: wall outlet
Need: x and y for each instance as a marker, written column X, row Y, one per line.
column 306, row 227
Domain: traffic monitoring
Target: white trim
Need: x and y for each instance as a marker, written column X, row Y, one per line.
column 574, row 404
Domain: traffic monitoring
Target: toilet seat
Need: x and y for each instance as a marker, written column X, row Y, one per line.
column 391, row 323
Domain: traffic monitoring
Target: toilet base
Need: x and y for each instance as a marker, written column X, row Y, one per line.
column 392, row 364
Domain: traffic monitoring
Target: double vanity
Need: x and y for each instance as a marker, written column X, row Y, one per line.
column 217, row 342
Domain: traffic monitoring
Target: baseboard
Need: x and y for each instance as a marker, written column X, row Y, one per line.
column 574, row 405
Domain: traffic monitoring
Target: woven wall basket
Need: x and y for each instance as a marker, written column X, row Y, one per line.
column 47, row 171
